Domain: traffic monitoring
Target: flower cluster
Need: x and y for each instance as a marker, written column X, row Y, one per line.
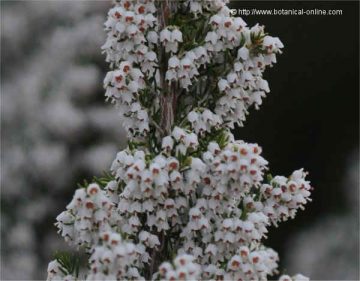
column 234, row 170
column 131, row 40
column 183, row 69
column 147, row 188
column 186, row 187
column 202, row 6
column 226, row 33
column 244, row 86
column 252, row 265
column 127, row 25
column 89, row 213
column 203, row 121
column 183, row 268
column 228, row 216
column 170, row 39
column 122, row 87
column 184, row 140
column 283, row 196
column 114, row 259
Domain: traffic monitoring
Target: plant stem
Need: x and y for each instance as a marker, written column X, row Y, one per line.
column 168, row 98
column 168, row 107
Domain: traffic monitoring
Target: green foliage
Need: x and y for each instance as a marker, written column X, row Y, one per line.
column 216, row 135
column 184, row 161
column 84, row 184
column 69, row 263
column 257, row 41
column 102, row 181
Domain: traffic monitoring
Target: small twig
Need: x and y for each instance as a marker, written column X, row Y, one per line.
column 157, row 126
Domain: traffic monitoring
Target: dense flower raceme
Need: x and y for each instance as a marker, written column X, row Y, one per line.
column 191, row 202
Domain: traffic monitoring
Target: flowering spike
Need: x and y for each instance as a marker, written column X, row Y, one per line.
column 185, row 200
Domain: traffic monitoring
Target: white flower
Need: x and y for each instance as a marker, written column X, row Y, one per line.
column 170, row 39
column 223, row 85
column 193, row 116
column 239, row 23
column 211, row 37
column 152, row 37
column 202, row 57
column 186, row 63
column 165, row 36
column 54, row 272
column 178, row 133
column 167, row 143
column 211, row 249
column 174, row 62
column 216, row 20
column 272, row 43
column 198, row 165
column 235, row 262
column 191, row 140
column 243, row 53
column 176, row 36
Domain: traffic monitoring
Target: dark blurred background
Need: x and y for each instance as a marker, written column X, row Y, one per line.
column 57, row 129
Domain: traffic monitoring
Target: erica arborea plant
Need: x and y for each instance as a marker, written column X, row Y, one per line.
column 184, row 200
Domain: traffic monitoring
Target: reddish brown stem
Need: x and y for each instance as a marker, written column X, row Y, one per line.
column 168, row 98
column 168, row 107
